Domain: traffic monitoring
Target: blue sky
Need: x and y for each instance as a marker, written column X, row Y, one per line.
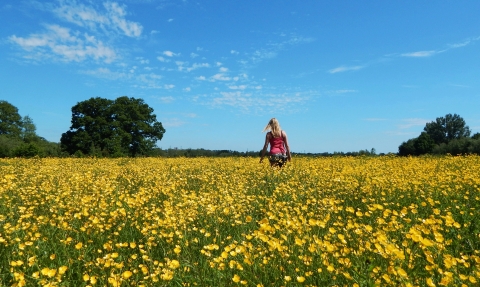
column 338, row 75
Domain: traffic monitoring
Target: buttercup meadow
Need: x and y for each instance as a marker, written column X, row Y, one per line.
column 339, row 221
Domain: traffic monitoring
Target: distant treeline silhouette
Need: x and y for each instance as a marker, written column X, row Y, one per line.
column 127, row 127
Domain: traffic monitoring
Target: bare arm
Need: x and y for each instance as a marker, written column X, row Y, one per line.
column 287, row 147
column 265, row 146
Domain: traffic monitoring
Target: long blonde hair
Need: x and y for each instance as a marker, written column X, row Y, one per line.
column 274, row 127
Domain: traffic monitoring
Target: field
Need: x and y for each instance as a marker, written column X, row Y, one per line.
column 344, row 221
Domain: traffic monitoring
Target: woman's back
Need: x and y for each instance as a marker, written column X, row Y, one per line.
column 276, row 144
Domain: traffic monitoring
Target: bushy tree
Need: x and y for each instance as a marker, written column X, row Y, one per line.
column 125, row 126
column 445, row 129
column 423, row 144
column 407, row 148
column 448, row 134
column 10, row 120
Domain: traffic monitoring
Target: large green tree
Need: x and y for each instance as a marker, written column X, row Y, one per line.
column 445, row 129
column 125, row 126
column 448, row 134
column 10, row 120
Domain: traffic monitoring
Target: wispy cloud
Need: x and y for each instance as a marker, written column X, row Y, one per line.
column 107, row 74
column 162, row 59
column 182, row 66
column 344, row 91
column 170, row 53
column 345, row 69
column 420, row 54
column 412, row 122
column 70, row 45
column 271, row 50
column 240, row 87
column 60, row 42
column 130, row 76
column 113, row 18
column 429, row 53
column 172, row 122
column 220, row 77
column 254, row 102
column 167, row 99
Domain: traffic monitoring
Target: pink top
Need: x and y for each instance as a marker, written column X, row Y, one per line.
column 276, row 144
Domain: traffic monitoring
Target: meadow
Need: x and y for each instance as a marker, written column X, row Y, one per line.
column 341, row 221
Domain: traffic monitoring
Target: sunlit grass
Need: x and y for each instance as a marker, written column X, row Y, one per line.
column 383, row 221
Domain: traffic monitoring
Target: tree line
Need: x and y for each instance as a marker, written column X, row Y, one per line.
column 446, row 135
column 128, row 127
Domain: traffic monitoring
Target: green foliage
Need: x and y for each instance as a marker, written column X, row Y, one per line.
column 28, row 129
column 10, row 120
column 448, row 134
column 27, row 150
column 407, row 148
column 445, row 129
column 459, row 146
column 102, row 127
column 18, row 137
column 8, row 144
column 423, row 144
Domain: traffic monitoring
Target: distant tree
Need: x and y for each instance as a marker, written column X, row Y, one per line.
column 445, row 129
column 407, row 148
column 423, row 144
column 125, row 126
column 28, row 129
column 10, row 120
column 476, row 136
column 27, row 150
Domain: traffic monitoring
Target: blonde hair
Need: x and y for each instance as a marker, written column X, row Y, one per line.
column 274, row 127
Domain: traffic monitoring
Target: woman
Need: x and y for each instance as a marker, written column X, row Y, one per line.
column 279, row 148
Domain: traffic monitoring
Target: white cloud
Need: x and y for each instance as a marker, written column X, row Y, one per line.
column 170, row 53
column 219, row 77
column 187, row 89
column 167, row 99
column 248, row 102
column 113, row 18
column 170, row 20
column 344, row 69
column 240, row 87
column 162, row 59
column 345, row 91
column 168, row 87
column 193, row 55
column 234, row 52
column 413, row 122
column 180, row 65
column 174, row 122
column 148, row 81
column 107, row 74
column 60, row 42
column 201, row 78
column 420, row 54
column 223, row 69
column 197, row 66
column 142, row 60
column 154, row 32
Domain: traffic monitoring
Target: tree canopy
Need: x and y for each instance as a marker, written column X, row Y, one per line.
column 125, row 126
column 18, row 135
column 445, row 129
column 449, row 134
column 10, row 120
